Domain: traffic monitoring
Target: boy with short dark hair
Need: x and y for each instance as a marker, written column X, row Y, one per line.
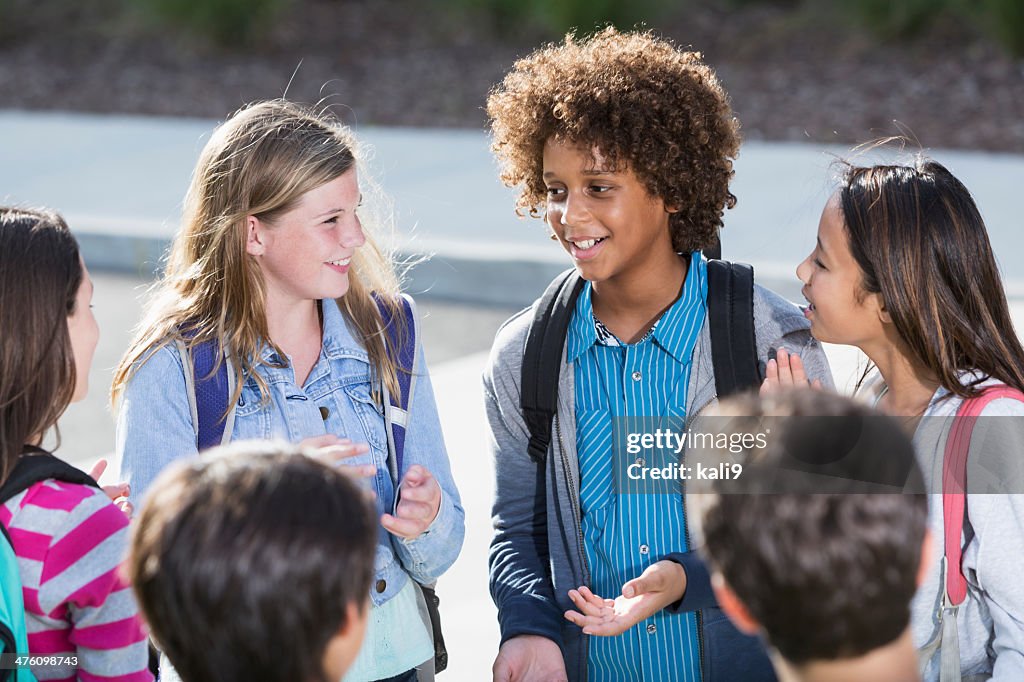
column 826, row 577
column 254, row 562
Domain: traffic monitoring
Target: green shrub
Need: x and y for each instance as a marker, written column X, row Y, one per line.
column 555, row 17
column 892, row 19
column 227, row 22
column 1005, row 21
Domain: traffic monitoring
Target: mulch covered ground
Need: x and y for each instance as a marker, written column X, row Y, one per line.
column 792, row 76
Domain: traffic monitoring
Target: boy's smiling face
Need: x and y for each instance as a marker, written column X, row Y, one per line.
column 604, row 217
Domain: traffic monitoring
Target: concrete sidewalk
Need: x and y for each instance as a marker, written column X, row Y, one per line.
column 120, row 181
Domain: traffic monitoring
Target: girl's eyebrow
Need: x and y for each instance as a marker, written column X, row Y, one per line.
column 821, row 247
column 333, row 210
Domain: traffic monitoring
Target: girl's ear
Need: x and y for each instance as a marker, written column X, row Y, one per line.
column 883, row 314
column 254, row 245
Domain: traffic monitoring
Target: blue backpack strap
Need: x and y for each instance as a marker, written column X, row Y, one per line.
column 403, row 348
column 210, row 391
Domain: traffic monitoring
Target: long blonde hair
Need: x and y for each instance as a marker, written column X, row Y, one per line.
column 258, row 163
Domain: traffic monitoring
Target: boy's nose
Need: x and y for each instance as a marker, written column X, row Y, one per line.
column 573, row 212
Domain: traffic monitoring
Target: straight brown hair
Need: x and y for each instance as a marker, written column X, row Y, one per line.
column 40, row 272
column 921, row 243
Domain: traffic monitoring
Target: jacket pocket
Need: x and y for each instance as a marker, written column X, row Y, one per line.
column 370, row 414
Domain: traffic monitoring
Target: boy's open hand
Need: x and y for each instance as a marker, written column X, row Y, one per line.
column 785, row 370
column 663, row 583
column 419, row 499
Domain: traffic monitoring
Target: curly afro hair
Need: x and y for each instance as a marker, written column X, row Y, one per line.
column 646, row 105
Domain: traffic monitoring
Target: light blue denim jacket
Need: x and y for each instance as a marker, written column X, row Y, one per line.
column 154, row 427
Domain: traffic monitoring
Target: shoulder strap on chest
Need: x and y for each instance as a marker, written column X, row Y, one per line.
column 733, row 347
column 38, row 465
column 210, row 382
column 542, row 358
column 401, row 332
column 731, row 320
column 954, row 485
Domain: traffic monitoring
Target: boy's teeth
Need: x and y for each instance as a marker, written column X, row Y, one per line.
column 586, row 244
column 343, row 261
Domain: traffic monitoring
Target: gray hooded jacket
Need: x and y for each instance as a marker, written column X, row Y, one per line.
column 537, row 552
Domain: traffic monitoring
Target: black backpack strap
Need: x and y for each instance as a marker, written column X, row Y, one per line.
column 733, row 347
column 731, row 320
column 542, row 357
column 38, row 465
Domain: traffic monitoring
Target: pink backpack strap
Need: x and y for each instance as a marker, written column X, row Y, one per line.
column 954, row 484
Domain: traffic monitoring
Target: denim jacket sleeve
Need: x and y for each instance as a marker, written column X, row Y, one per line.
column 435, row 550
column 154, row 423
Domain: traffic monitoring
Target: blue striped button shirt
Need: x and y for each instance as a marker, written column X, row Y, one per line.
column 625, row 533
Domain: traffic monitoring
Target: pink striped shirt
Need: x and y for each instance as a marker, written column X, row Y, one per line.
column 70, row 541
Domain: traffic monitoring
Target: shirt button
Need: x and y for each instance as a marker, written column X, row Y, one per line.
column 381, row 585
column 637, row 376
column 652, row 628
column 644, row 549
column 640, row 461
column 324, row 413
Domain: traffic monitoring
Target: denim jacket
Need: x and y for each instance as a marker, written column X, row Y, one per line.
column 154, row 427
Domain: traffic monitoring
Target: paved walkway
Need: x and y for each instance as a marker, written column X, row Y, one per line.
column 120, row 181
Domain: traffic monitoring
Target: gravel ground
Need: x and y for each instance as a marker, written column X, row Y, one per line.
column 792, row 76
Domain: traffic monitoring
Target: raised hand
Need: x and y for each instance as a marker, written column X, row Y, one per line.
column 419, row 499
column 335, row 452
column 118, row 493
column 785, row 370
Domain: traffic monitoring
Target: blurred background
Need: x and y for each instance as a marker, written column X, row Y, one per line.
column 833, row 71
column 105, row 105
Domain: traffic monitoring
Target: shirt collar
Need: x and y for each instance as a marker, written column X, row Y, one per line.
column 582, row 334
column 671, row 330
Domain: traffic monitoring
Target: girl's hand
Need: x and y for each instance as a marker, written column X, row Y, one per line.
column 118, row 493
column 663, row 583
column 785, row 371
column 419, row 499
column 334, row 452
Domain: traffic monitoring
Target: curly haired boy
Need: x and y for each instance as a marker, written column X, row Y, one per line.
column 624, row 144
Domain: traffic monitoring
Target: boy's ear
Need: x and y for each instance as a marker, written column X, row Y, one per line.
column 254, row 245
column 733, row 607
column 926, row 551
